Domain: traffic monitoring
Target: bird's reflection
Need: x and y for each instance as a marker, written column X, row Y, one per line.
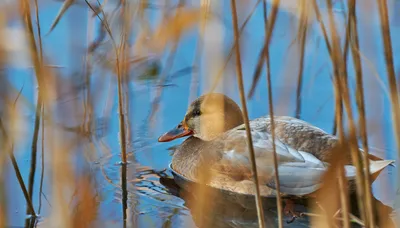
column 226, row 209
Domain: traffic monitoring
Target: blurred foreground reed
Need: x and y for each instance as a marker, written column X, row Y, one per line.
column 138, row 41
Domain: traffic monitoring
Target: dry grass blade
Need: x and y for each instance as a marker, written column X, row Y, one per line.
column 168, row 31
column 42, row 163
column 37, row 62
column 256, row 74
column 335, row 120
column 65, row 6
column 88, row 99
column 3, row 196
column 345, row 57
column 85, row 209
column 271, row 23
column 38, row 114
column 34, row 147
column 347, row 35
column 106, row 26
column 322, row 25
column 329, row 48
column 3, row 205
column 344, row 200
column 353, row 218
column 32, row 170
column 269, row 28
column 340, row 71
column 100, row 37
column 39, row 32
column 222, row 70
column 199, row 47
column 302, row 33
column 34, row 53
column 394, row 95
column 121, row 71
column 119, row 78
column 343, row 190
column 260, row 211
column 337, row 159
column 16, row 168
column 361, row 107
column 126, row 18
column 328, row 206
column 3, row 156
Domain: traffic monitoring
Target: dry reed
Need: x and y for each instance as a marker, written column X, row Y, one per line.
column 245, row 114
column 302, row 35
column 170, row 30
column 269, row 27
column 361, row 108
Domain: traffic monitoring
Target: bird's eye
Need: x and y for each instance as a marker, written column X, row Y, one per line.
column 196, row 112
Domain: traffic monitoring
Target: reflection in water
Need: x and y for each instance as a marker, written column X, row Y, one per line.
column 237, row 210
column 124, row 192
column 231, row 210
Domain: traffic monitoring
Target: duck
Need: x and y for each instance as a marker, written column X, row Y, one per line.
column 216, row 143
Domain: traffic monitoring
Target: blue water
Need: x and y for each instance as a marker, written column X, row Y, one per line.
column 150, row 204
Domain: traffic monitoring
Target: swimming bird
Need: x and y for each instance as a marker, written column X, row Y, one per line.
column 217, row 144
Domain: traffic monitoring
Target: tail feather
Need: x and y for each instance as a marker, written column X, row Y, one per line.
column 375, row 168
column 376, row 158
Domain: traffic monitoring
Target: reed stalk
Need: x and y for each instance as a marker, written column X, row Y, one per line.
column 34, row 144
column 125, row 12
column 340, row 76
column 343, row 183
column 218, row 77
column 194, row 84
column 38, row 72
column 260, row 62
column 322, row 25
column 10, row 150
column 345, row 57
column 391, row 76
column 302, row 34
column 37, row 62
column 260, row 211
column 338, row 123
column 87, row 100
column 38, row 114
column 119, row 69
column 269, row 28
column 122, row 72
column 121, row 111
column 3, row 156
column 329, row 48
column 344, row 198
column 355, row 47
column 202, row 208
column 42, row 164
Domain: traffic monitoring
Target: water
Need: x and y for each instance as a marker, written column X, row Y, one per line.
column 153, row 199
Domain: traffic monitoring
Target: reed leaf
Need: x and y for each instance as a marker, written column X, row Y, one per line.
column 260, row 211
column 269, row 28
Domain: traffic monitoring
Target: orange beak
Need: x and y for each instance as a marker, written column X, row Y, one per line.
column 178, row 132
